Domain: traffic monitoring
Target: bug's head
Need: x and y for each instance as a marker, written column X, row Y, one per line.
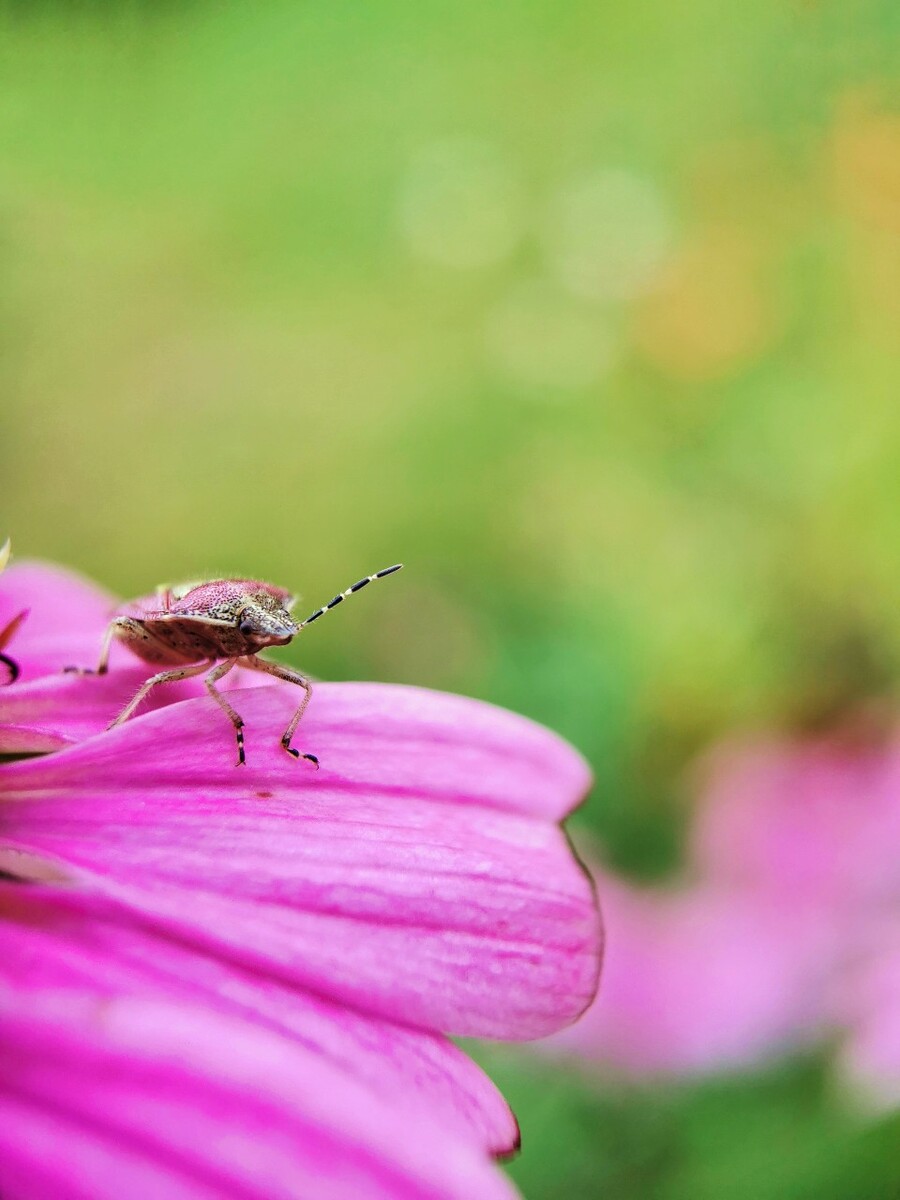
column 264, row 620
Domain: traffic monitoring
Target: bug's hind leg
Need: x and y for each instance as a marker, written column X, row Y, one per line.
column 163, row 677
column 235, row 718
column 289, row 675
column 123, row 625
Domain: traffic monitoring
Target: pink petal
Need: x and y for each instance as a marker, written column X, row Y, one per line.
column 136, row 1098
column 415, row 875
column 813, row 820
column 67, row 615
column 63, row 709
column 699, row 980
column 60, row 710
column 56, row 938
column 869, row 1006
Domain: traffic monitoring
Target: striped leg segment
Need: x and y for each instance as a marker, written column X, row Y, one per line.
column 235, row 718
column 289, row 676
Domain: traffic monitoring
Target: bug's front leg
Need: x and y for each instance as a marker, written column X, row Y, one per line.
column 289, row 675
column 234, row 717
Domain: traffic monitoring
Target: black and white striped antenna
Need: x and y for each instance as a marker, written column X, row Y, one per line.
column 361, row 583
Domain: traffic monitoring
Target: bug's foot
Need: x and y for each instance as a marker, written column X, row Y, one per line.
column 239, row 734
column 85, row 670
column 296, row 754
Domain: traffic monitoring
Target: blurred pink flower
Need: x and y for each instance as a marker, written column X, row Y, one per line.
column 695, row 979
column 780, row 933
column 417, row 885
column 867, row 1004
column 812, row 822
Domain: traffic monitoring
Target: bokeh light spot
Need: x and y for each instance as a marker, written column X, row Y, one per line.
column 710, row 313
column 460, row 205
column 540, row 339
column 608, row 234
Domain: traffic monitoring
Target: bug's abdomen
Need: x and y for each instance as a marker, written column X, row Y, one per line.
column 164, row 643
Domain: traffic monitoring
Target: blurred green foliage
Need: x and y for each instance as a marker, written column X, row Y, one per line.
column 586, row 312
column 776, row 1135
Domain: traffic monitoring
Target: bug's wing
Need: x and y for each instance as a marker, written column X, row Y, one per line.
column 198, row 619
column 139, row 611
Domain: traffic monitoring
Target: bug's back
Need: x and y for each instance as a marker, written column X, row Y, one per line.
column 227, row 618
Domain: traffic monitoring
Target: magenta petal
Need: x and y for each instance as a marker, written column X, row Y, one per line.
column 59, row 710
column 67, row 615
column 868, row 1006
column 701, row 979
column 808, row 819
column 391, row 879
column 369, row 737
column 63, row 709
column 57, row 938
column 136, row 1098
column 66, row 618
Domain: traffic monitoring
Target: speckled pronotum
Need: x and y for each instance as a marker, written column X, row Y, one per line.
column 213, row 627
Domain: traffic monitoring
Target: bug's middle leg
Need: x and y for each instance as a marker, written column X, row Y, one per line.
column 235, row 718
column 289, row 675
column 163, row 677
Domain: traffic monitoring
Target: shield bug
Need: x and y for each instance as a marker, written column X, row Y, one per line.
column 212, row 627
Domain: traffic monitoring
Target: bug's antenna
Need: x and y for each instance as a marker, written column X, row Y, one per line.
column 349, row 592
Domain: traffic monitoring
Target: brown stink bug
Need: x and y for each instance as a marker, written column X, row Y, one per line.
column 213, row 627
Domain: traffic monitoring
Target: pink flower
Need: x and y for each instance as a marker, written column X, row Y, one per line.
column 814, row 822
column 139, row 1098
column 784, row 930
column 345, row 919
column 868, row 1003
column 698, row 978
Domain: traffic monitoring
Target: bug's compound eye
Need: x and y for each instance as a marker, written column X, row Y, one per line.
column 245, row 627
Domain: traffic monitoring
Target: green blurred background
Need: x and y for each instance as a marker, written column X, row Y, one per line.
column 587, row 313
